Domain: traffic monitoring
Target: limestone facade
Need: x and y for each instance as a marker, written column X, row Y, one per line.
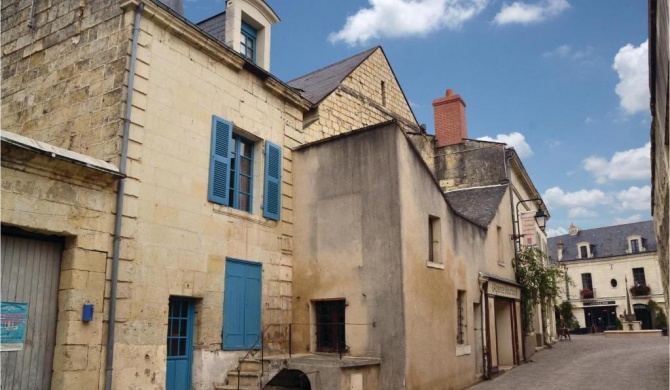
column 369, row 95
column 659, row 66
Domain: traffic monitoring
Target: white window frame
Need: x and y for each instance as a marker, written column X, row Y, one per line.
column 630, row 240
column 589, row 254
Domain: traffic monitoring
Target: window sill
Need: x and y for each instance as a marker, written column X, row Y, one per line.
column 231, row 212
column 430, row 264
column 463, row 349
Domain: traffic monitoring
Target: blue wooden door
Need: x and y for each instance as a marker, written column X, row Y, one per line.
column 180, row 343
column 242, row 305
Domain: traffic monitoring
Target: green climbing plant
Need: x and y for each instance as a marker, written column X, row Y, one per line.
column 657, row 314
column 565, row 312
column 539, row 281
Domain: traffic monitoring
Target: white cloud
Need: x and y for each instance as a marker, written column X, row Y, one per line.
column 555, row 196
column 568, row 52
column 524, row 13
column 556, row 232
column 581, row 212
column 554, row 143
column 403, row 18
column 632, row 65
column 589, row 120
column 630, row 219
column 634, row 198
column 633, row 164
column 515, row 140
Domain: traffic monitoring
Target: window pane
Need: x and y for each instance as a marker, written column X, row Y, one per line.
column 173, row 348
column 245, row 149
column 243, row 203
column 182, row 346
column 245, row 184
column 245, row 166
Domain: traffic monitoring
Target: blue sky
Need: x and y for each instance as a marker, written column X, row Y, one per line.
column 563, row 81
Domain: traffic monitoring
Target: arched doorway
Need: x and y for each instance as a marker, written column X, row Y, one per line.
column 642, row 313
column 290, row 380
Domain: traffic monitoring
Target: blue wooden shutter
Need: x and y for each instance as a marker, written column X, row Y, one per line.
column 219, row 165
column 272, row 193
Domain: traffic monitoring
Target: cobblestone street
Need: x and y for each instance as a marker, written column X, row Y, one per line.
column 593, row 363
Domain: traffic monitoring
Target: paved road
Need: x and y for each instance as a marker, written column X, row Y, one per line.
column 592, row 362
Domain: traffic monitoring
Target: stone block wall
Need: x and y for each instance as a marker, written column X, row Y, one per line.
column 182, row 239
column 359, row 102
column 53, row 197
column 63, row 78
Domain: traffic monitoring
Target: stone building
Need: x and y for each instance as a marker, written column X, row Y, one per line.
column 659, row 68
column 149, row 203
column 468, row 169
column 604, row 262
column 148, row 164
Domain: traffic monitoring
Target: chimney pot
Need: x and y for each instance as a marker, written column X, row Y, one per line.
column 450, row 92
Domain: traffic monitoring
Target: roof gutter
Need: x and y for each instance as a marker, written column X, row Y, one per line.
column 119, row 201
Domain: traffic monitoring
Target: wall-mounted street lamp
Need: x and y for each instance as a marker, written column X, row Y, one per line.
column 540, row 219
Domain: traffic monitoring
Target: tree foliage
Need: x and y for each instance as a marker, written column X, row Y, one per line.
column 539, row 283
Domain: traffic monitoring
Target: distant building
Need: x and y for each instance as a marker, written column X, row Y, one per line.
column 603, row 263
column 659, row 68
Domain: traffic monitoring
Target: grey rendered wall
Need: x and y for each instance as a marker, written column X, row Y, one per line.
column 347, row 244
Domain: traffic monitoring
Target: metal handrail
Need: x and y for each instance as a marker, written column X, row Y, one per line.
column 239, row 364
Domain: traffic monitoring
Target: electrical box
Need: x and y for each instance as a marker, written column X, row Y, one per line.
column 87, row 312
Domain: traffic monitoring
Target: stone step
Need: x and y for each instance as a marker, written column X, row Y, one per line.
column 251, row 365
column 245, row 378
column 231, row 387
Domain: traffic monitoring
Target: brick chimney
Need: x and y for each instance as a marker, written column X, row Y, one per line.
column 450, row 125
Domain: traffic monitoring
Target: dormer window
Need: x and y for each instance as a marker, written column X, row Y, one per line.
column 248, row 42
column 635, row 244
column 585, row 250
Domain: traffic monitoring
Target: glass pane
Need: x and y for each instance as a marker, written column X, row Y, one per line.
column 183, row 310
column 245, row 166
column 182, row 346
column 243, row 202
column 172, row 347
column 182, row 328
column 246, row 149
column 245, row 184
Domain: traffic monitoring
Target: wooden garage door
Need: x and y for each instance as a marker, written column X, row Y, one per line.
column 30, row 274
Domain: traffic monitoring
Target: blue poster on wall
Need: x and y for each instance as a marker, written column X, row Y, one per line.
column 13, row 320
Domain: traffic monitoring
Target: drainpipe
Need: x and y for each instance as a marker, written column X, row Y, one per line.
column 119, row 202
column 515, row 231
column 484, row 304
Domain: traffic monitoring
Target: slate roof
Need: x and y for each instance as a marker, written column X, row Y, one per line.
column 478, row 205
column 320, row 83
column 215, row 26
column 607, row 241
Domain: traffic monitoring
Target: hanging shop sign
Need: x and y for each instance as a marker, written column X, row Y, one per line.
column 598, row 303
column 503, row 290
column 13, row 321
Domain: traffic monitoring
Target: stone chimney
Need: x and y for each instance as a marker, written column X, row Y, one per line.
column 450, row 125
column 573, row 230
column 175, row 5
